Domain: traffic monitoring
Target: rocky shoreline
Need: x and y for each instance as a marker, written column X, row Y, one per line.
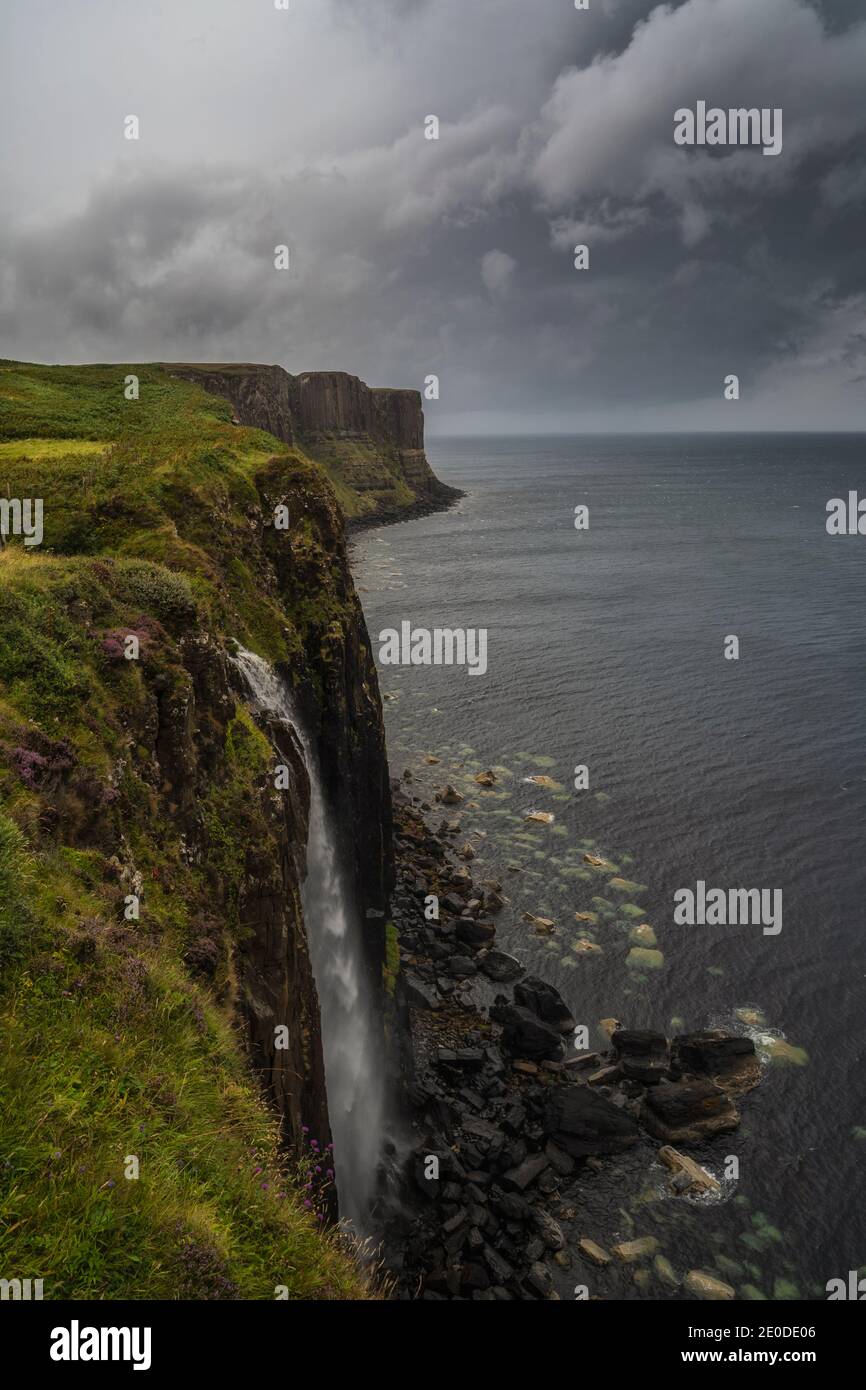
column 505, row 1126
column 442, row 499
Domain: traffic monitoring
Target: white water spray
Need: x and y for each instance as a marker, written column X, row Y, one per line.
column 350, row 1039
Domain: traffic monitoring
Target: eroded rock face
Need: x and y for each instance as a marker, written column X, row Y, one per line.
column 332, row 403
column 185, row 724
column 369, row 440
column 261, row 396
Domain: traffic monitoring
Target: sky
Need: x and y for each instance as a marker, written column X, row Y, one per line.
column 454, row 257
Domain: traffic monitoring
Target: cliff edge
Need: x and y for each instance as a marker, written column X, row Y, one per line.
column 370, row 441
column 153, row 945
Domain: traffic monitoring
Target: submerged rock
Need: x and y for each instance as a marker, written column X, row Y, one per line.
column 630, row 1251
column 500, row 967
column 584, row 947
column 697, row 1179
column 593, row 1252
column 642, row 958
column 705, row 1286
column 543, row 926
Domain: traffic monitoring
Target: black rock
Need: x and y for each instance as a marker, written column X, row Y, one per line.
column 539, row 1280
column 688, row 1112
column 715, row 1054
column 499, row 967
column 461, row 967
column 514, row 1119
column 474, row 1240
column 475, row 933
column 582, row 1122
column 466, row 1058
column 559, row 1160
column 512, row 1207
column 642, row 1055
column 524, row 1035
column 499, row 1268
column 481, row 1129
column 526, row 1172
column 474, row 1277
column 545, row 1002
column 418, row 993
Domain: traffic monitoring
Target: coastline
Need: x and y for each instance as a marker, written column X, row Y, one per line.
column 443, row 501
column 520, row 1130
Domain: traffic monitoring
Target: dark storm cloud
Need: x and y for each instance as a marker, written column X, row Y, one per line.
column 454, row 257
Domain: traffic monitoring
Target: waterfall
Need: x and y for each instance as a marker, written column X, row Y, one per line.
column 351, row 1043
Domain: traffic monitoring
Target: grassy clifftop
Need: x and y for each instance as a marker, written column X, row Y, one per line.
column 147, row 779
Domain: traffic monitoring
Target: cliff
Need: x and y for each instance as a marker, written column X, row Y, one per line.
column 370, row 442
column 146, row 786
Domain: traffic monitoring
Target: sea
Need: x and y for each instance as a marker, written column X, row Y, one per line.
column 735, row 764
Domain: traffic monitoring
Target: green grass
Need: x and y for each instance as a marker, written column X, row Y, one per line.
column 156, row 520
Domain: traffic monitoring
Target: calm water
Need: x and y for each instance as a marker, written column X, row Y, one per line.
column 606, row 649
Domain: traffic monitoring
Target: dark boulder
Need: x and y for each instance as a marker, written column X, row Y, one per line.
column 475, row 933
column 418, row 993
column 726, row 1058
column 500, row 967
column 524, row 1035
column 545, row 1002
column 582, row 1122
column 641, row 1055
column 688, row 1112
column 525, row 1174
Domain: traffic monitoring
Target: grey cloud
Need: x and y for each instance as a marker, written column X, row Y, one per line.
column 411, row 256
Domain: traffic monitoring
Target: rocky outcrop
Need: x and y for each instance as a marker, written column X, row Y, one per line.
column 261, row 396
column 369, row 440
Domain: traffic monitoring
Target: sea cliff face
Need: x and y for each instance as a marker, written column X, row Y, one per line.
column 164, row 915
column 369, row 441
